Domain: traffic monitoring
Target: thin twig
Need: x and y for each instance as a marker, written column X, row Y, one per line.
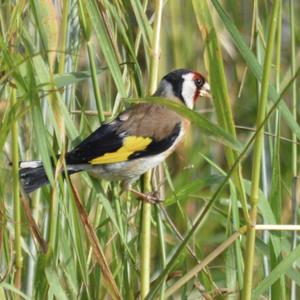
column 178, row 234
column 267, row 133
column 276, row 227
column 194, row 271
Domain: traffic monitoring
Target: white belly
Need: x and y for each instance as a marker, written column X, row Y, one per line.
column 129, row 170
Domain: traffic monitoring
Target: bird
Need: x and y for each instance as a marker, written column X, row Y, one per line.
column 137, row 140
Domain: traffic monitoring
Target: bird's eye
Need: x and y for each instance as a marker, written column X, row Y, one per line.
column 199, row 82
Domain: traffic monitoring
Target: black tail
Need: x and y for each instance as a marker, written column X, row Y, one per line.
column 33, row 178
column 33, row 175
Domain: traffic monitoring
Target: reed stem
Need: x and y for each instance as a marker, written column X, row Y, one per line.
column 16, row 197
column 146, row 210
column 257, row 154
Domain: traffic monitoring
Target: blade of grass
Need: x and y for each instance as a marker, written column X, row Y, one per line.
column 256, row 165
column 63, row 40
column 86, row 29
column 65, row 79
column 280, row 269
column 278, row 288
column 47, row 25
column 17, row 202
column 106, row 45
column 143, row 23
column 99, row 254
column 205, row 125
column 162, row 246
column 129, row 43
column 265, row 160
column 17, row 292
column 219, row 90
column 54, row 284
column 253, row 65
column 294, row 138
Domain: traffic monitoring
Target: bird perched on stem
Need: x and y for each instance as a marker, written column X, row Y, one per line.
column 137, row 140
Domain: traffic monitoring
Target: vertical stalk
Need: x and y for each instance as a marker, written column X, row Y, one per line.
column 60, row 139
column 95, row 82
column 85, row 25
column 146, row 240
column 220, row 95
column 160, row 227
column 257, row 154
column 62, row 56
column 146, row 210
column 265, row 158
column 294, row 138
column 54, row 100
column 16, row 196
column 52, row 222
column 278, row 288
column 160, row 231
column 294, row 87
column 119, row 247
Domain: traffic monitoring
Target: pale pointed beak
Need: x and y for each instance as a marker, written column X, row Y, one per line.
column 205, row 90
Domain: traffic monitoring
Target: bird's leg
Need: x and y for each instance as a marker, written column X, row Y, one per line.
column 150, row 197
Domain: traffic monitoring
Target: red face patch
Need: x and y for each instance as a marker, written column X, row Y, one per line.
column 199, row 82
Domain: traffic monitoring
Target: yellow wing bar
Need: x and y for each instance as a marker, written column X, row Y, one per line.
column 131, row 144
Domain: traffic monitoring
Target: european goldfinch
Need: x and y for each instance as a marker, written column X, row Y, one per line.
column 137, row 140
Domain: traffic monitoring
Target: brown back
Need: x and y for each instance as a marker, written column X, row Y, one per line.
column 150, row 120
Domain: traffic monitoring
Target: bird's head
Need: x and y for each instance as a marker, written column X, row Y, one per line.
column 185, row 85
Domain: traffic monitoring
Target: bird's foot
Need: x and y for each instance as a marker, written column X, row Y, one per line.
column 148, row 197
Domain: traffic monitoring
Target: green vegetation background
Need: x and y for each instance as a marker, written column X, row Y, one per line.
column 66, row 66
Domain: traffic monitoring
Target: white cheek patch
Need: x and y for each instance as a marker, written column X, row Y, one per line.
column 188, row 89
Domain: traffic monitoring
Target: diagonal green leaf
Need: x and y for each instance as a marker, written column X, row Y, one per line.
column 143, row 22
column 10, row 287
column 64, row 79
column 192, row 187
column 54, row 284
column 205, row 125
column 280, row 269
column 294, row 275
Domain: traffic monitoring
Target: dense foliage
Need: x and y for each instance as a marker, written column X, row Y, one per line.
column 67, row 66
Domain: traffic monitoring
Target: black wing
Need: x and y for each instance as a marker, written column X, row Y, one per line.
column 103, row 140
column 156, row 147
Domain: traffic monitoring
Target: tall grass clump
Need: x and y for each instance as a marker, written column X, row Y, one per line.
column 227, row 227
